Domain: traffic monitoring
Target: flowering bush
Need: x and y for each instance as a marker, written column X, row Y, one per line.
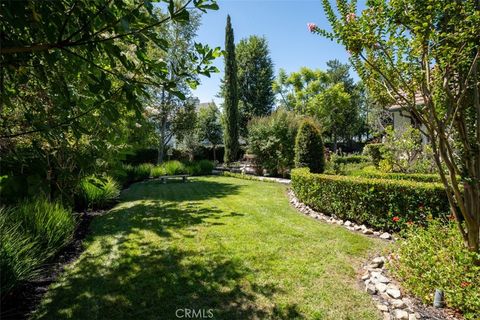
column 434, row 258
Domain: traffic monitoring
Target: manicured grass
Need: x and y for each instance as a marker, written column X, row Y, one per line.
column 221, row 243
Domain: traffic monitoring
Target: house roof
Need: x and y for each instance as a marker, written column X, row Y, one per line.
column 400, row 104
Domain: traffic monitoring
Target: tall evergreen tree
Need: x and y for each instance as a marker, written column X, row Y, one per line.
column 255, row 79
column 231, row 97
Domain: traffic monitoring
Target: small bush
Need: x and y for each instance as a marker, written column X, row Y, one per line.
column 97, row 192
column 158, row 171
column 30, row 234
column 345, row 165
column 48, row 222
column 435, row 258
column 309, row 151
column 354, row 158
column 206, row 167
column 20, row 255
column 374, row 152
column 174, row 167
column 384, row 204
column 142, row 171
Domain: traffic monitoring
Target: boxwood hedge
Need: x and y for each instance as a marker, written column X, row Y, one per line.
column 419, row 177
column 383, row 204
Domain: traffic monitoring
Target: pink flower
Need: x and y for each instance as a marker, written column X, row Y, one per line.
column 396, row 219
column 311, row 26
column 350, row 17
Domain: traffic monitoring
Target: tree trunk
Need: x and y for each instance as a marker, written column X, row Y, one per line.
column 471, row 199
column 214, row 154
column 162, row 144
column 335, row 142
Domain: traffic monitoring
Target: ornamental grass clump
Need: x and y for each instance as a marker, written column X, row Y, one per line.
column 30, row 234
column 97, row 192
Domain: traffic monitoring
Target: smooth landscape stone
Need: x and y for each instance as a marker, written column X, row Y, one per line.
column 348, row 223
column 398, row 304
column 411, row 316
column 370, row 289
column 394, row 293
column 381, row 287
column 383, row 279
column 400, row 314
column 357, row 227
column 367, row 231
column 386, row 236
column 382, row 307
column 365, row 276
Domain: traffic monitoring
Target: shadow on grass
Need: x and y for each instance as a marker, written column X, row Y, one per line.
column 129, row 275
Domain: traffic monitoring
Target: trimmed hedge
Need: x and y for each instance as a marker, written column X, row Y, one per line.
column 418, row 177
column 384, row 204
column 354, row 158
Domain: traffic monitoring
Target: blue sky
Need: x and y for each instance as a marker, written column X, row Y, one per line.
column 282, row 22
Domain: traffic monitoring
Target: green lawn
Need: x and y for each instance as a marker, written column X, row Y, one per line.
column 227, row 244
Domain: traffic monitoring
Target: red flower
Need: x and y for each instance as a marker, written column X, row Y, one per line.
column 396, row 219
column 465, row 284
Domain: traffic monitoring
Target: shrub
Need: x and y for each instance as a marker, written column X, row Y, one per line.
column 174, row 167
column 158, row 171
column 48, row 222
column 20, row 255
column 142, row 171
column 202, row 167
column 97, row 192
column 30, row 234
column 354, row 158
column 309, row 147
column 374, row 152
column 435, row 258
column 140, row 156
column 272, row 139
column 383, row 204
column 345, row 164
column 403, row 151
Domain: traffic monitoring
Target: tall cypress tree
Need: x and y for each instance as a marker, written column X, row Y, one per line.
column 230, row 97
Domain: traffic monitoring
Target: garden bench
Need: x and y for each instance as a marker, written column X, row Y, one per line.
column 163, row 179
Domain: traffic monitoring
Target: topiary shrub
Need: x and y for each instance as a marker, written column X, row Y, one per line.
column 309, row 150
column 374, row 152
column 383, row 204
column 435, row 258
